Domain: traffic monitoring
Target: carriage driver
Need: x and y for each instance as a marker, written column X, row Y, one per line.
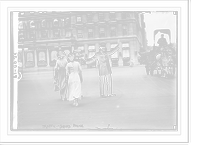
column 162, row 41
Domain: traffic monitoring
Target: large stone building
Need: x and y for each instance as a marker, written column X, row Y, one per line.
column 41, row 34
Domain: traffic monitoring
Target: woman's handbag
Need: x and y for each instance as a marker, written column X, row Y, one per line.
column 56, row 84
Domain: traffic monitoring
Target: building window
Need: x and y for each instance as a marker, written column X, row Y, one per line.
column 43, row 23
column 21, row 25
column 112, row 16
column 101, row 17
column 44, row 34
column 68, row 33
column 30, row 57
column 21, row 36
column 41, row 56
column 79, row 33
column 90, row 18
column 124, row 30
column 123, row 15
column 102, row 32
column 32, row 24
column 90, row 33
column 113, row 31
column 56, row 33
column 91, row 51
column 125, row 50
column 78, row 19
column 32, row 35
column 67, row 21
column 55, row 23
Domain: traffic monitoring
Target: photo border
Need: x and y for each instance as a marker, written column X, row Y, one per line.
column 111, row 135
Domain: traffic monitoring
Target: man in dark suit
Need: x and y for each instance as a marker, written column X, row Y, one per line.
column 162, row 41
column 104, row 67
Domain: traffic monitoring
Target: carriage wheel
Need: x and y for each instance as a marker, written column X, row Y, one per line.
column 167, row 70
column 152, row 72
column 172, row 70
column 164, row 73
column 19, row 77
column 147, row 70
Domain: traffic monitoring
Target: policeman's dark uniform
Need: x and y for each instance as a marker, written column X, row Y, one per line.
column 104, row 68
column 162, row 41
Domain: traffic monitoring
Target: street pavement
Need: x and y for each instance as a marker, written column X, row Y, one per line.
column 142, row 102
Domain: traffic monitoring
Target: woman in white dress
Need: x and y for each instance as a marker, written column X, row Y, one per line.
column 60, row 73
column 74, row 75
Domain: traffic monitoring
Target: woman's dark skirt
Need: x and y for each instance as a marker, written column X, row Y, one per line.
column 62, row 82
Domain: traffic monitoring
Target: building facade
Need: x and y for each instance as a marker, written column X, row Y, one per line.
column 41, row 34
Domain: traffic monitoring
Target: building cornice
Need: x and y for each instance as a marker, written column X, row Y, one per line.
column 69, row 41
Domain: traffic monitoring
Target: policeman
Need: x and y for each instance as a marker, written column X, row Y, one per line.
column 162, row 41
column 105, row 73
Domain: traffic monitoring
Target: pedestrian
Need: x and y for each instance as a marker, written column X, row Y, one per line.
column 60, row 75
column 74, row 75
column 104, row 67
column 79, row 57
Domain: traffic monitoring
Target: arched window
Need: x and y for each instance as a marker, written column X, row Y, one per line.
column 21, row 25
column 41, row 56
column 53, row 55
column 55, row 23
column 32, row 24
column 67, row 21
column 29, row 57
column 44, row 23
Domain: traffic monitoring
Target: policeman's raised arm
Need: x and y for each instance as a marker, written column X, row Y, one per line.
column 90, row 60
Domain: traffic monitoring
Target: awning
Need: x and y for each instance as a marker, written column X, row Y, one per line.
column 113, row 45
column 115, row 55
column 125, row 45
column 91, row 47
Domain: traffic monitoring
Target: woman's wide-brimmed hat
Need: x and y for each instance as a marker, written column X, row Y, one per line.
column 61, row 53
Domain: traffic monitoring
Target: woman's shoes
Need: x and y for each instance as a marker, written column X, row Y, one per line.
column 63, row 97
column 75, row 102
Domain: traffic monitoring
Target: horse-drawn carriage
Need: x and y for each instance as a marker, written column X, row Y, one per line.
column 161, row 60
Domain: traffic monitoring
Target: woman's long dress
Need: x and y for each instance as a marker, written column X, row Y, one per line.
column 74, row 81
column 61, row 81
